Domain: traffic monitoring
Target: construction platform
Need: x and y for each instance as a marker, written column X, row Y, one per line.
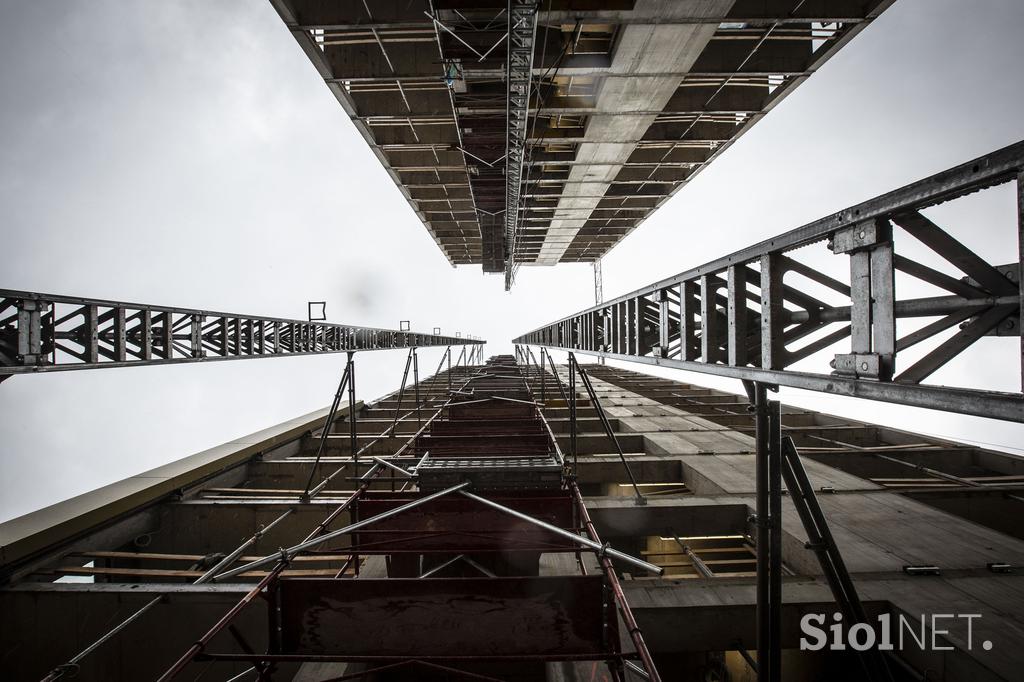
column 470, row 558
column 538, row 133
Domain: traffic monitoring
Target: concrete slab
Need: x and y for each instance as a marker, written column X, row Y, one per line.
column 35, row 531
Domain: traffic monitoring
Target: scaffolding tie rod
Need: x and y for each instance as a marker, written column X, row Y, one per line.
column 586, row 542
column 288, row 553
column 389, row 465
column 634, row 668
column 72, row 666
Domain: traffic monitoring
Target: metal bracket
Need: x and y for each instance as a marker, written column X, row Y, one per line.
column 316, row 311
column 1011, row 325
column 861, row 236
column 860, row 365
column 30, row 331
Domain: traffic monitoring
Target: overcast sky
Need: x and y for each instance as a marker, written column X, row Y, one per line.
column 186, row 153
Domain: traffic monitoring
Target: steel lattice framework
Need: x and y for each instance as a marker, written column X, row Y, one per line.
column 45, row 332
column 522, row 27
column 743, row 315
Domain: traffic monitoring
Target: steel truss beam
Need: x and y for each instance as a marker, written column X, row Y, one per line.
column 743, row 315
column 522, row 28
column 45, row 333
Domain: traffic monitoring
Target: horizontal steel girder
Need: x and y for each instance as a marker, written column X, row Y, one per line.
column 755, row 313
column 44, row 332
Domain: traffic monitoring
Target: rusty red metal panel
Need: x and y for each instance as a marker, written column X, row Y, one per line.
column 458, row 524
column 465, row 427
column 551, row 615
column 498, row 409
column 476, row 445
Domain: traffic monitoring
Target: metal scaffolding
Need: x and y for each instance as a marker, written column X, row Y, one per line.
column 741, row 316
column 465, row 505
column 488, row 434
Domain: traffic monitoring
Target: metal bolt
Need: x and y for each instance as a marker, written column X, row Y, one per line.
column 862, row 234
column 864, row 366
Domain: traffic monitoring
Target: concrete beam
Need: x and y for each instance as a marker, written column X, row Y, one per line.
column 59, row 523
column 44, row 625
column 610, row 140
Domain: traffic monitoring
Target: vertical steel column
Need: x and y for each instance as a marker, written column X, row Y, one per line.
column 872, row 298
column 688, row 308
column 90, row 339
column 121, row 343
column 761, row 433
column 416, row 386
column 598, row 298
column 353, row 447
column 542, row 382
column 401, row 389
column 775, row 546
column 536, row 366
column 1020, row 269
column 639, row 303
column 327, row 427
column 768, row 477
column 146, row 335
column 595, row 403
column 30, row 331
column 883, row 307
column 572, row 415
column 708, row 320
column 558, row 380
column 448, row 355
column 772, row 343
column 736, row 312
column 627, row 326
column 632, row 626
column 663, row 324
